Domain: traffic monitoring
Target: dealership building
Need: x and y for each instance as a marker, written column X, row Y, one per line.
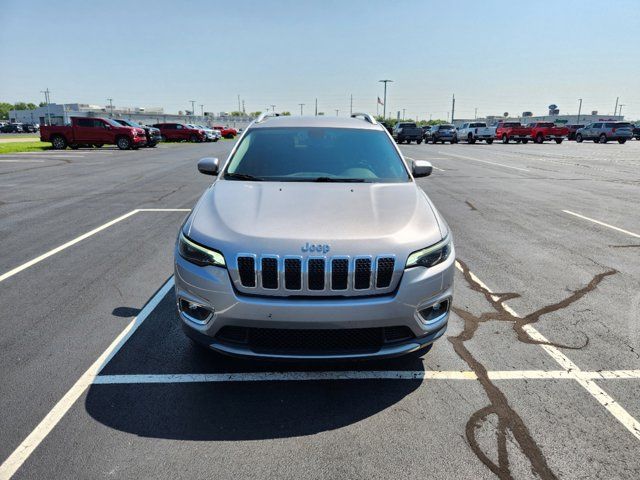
column 59, row 114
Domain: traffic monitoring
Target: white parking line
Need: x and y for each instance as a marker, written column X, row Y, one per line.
column 22, row 161
column 485, row 161
column 84, row 236
column 361, row 375
column 613, row 407
column 29, row 444
column 602, row 223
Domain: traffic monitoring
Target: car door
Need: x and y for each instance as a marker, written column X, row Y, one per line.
column 180, row 132
column 104, row 132
column 594, row 131
column 84, row 131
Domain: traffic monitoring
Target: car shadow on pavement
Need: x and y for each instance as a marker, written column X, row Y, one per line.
column 233, row 410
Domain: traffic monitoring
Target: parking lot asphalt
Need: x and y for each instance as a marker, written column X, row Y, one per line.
column 538, row 375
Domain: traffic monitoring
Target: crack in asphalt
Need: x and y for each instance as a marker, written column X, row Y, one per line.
column 471, row 206
column 508, row 419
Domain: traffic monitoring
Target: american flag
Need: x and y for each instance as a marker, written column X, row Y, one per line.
column 380, row 102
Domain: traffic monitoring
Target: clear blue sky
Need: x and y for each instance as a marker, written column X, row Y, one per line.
column 498, row 56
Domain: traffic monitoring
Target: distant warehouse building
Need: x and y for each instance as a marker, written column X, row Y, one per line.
column 559, row 119
column 59, row 114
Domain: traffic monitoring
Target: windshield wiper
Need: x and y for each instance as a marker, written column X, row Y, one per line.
column 242, row 176
column 338, row 180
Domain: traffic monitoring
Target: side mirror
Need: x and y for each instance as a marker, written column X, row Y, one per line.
column 107, row 126
column 422, row 168
column 209, row 166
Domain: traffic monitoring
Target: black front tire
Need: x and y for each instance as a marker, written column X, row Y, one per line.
column 558, row 141
column 59, row 142
column 622, row 140
column 602, row 138
column 489, row 141
column 123, row 143
column 579, row 138
column 418, row 142
column 505, row 139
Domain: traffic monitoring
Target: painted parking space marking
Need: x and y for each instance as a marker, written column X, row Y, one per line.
column 82, row 237
column 21, row 161
column 363, row 375
column 598, row 222
column 613, row 407
column 29, row 444
column 465, row 157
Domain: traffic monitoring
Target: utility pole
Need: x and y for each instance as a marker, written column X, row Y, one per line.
column 239, row 103
column 453, row 107
column 384, row 105
column 46, row 99
column 620, row 109
column 202, row 110
column 316, row 106
column 403, row 113
column 301, row 105
column 615, row 110
column 193, row 108
column 111, row 105
column 579, row 109
column 351, row 106
column 273, row 108
column 337, row 112
column 243, row 109
column 476, row 114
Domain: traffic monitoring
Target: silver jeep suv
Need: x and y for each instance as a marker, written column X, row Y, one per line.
column 314, row 242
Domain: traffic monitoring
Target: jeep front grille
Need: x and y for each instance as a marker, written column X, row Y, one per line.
column 315, row 276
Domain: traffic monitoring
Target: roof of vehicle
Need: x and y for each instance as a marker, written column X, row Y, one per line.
column 319, row 121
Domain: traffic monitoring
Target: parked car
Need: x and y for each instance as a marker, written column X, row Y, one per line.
column 30, row 127
column 636, row 131
column 226, row 132
column 507, row 131
column 11, row 128
column 93, row 131
column 473, row 132
column 151, row 133
column 178, row 132
column 602, row 132
column 407, row 132
column 442, row 133
column 541, row 131
column 372, row 279
column 573, row 128
column 388, row 127
column 210, row 134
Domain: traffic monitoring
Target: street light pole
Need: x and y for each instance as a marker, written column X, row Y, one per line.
column 615, row 110
column 316, row 107
column 46, row 99
column 193, row 108
column 384, row 105
column 579, row 109
column 273, row 108
column 476, row 114
column 351, row 105
column 620, row 109
column 111, row 105
column 202, row 110
column 301, row 105
column 337, row 112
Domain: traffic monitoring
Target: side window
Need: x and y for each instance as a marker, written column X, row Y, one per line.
column 179, row 127
column 596, row 125
column 84, row 122
column 97, row 123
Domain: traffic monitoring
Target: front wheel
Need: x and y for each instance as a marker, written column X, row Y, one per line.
column 539, row 139
column 505, row 139
column 525, row 141
column 470, row 139
column 622, row 140
column 193, row 138
column 123, row 143
column 489, row 141
column 579, row 138
column 558, row 141
column 603, row 138
column 418, row 142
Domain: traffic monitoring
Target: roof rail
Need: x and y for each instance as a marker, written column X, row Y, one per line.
column 368, row 117
column 264, row 115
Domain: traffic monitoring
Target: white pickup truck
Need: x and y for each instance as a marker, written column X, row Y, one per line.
column 473, row 132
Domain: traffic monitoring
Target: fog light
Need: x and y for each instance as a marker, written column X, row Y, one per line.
column 434, row 311
column 195, row 311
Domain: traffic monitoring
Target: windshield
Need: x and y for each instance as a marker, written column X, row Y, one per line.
column 446, row 127
column 113, row 123
column 316, row 154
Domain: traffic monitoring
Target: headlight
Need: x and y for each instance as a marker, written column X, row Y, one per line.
column 194, row 253
column 431, row 256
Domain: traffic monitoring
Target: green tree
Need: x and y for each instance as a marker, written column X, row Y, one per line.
column 236, row 114
column 255, row 114
column 4, row 110
column 24, row 106
column 285, row 114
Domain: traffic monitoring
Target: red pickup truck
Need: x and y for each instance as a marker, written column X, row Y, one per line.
column 92, row 131
column 541, row 131
column 507, row 131
column 226, row 132
column 177, row 132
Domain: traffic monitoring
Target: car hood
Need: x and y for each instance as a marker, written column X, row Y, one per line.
column 281, row 217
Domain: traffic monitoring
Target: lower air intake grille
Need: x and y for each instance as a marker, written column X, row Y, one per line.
column 314, row 341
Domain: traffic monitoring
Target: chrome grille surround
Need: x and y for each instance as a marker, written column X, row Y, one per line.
column 381, row 281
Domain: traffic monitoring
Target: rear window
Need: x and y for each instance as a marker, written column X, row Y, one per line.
column 446, row 127
column 511, row 124
column 545, row 124
column 306, row 154
column 618, row 125
column 476, row 125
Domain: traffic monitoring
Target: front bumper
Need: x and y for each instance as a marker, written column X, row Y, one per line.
column 419, row 288
column 139, row 140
